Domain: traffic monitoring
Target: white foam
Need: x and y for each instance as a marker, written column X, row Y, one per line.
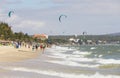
column 75, row 55
column 108, row 61
column 71, row 63
column 81, row 59
column 58, row 49
column 60, row 55
column 61, row 48
column 92, row 48
column 79, row 56
column 61, row 74
column 81, row 53
column 100, row 55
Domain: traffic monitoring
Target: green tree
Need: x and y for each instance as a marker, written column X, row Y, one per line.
column 5, row 31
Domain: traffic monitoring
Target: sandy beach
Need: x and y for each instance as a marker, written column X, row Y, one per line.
column 11, row 54
column 56, row 62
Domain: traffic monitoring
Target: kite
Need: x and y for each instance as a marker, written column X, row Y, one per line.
column 84, row 33
column 61, row 17
column 9, row 14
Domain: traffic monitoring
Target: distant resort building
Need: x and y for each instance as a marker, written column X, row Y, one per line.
column 40, row 36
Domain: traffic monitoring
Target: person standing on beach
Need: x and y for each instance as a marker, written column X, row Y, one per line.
column 36, row 46
column 42, row 47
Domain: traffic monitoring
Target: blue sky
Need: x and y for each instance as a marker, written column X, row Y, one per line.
column 42, row 16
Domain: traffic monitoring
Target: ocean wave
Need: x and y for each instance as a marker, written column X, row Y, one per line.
column 61, row 74
column 61, row 48
column 92, row 48
column 109, row 66
column 108, row 61
column 84, row 62
column 71, row 63
column 78, row 55
column 82, row 53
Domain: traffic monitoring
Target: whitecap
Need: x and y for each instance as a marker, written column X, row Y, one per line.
column 61, row 74
column 92, row 48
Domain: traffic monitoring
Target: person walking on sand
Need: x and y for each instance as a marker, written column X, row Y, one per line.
column 43, row 47
column 33, row 47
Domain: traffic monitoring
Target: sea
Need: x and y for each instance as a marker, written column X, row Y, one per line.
column 73, row 61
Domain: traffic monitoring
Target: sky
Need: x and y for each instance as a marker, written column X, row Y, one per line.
column 95, row 17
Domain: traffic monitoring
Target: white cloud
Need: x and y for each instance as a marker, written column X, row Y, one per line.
column 82, row 15
column 27, row 24
column 58, row 1
column 111, row 7
column 102, row 7
column 31, row 23
column 2, row 2
column 21, row 24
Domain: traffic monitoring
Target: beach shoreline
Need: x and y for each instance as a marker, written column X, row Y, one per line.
column 12, row 54
column 53, row 64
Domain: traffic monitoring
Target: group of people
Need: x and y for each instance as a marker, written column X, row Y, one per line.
column 17, row 44
column 36, row 47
